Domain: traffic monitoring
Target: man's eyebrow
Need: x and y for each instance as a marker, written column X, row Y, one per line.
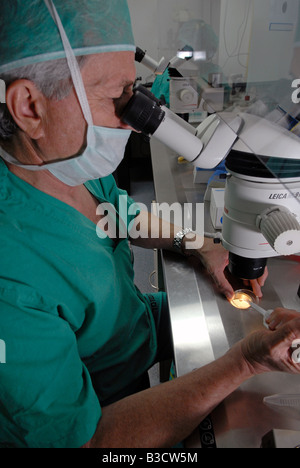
column 127, row 83
column 123, row 84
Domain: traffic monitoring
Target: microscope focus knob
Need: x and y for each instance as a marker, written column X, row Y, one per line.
column 281, row 229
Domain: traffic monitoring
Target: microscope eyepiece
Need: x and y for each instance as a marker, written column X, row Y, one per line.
column 139, row 54
column 143, row 112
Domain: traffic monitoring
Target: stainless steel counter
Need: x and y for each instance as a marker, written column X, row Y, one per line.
column 205, row 325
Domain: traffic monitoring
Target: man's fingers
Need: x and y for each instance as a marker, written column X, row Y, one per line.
column 262, row 280
column 223, row 284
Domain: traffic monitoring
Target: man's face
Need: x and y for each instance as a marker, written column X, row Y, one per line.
column 108, row 79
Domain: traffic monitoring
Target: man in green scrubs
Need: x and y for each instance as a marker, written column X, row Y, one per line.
column 79, row 336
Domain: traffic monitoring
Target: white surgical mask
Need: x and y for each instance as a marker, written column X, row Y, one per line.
column 105, row 146
column 104, row 151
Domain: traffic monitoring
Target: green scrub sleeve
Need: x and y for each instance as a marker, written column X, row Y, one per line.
column 161, row 87
column 121, row 202
column 46, row 395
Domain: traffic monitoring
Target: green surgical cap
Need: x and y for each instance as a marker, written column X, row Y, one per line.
column 29, row 35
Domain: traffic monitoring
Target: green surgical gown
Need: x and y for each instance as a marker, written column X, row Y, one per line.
column 68, row 307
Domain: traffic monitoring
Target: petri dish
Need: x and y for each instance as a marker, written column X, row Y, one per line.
column 243, row 298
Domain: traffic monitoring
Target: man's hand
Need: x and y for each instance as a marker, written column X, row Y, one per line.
column 281, row 316
column 155, row 233
column 268, row 351
column 215, row 259
column 256, row 285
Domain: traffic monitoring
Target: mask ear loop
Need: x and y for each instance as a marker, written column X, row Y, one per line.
column 72, row 63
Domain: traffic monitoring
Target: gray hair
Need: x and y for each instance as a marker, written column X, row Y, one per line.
column 52, row 78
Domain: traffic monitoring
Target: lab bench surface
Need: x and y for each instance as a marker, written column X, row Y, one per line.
column 205, row 325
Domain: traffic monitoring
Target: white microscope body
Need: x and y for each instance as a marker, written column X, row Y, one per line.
column 262, row 196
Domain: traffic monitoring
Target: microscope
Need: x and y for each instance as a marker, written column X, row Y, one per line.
column 262, row 195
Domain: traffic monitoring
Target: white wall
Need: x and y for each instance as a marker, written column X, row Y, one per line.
column 155, row 24
column 246, row 45
column 145, row 29
column 235, row 31
column 271, row 50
